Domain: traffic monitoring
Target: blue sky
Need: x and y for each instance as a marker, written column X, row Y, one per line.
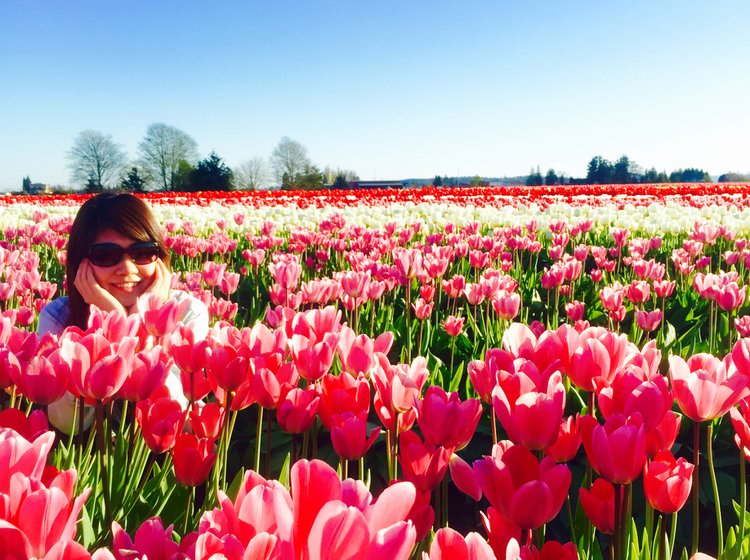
column 389, row 89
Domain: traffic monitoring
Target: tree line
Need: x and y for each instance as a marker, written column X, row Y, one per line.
column 601, row 171
column 167, row 160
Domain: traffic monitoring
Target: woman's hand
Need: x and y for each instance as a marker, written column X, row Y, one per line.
column 92, row 293
column 160, row 281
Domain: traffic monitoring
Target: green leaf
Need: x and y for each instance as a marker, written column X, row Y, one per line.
column 285, row 468
column 455, row 380
column 234, row 487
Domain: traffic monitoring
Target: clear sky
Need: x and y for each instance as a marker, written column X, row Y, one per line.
column 389, row 89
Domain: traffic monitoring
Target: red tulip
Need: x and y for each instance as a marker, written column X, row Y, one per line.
column 423, row 464
column 206, row 420
column 193, row 458
column 161, row 421
column 342, row 394
column 616, row 450
column 568, row 441
column 667, row 482
column 527, row 492
column 598, row 503
column 349, row 436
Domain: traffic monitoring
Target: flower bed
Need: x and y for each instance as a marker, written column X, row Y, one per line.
column 489, row 373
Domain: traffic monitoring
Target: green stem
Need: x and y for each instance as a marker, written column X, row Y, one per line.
column 663, row 537
column 102, row 452
column 743, row 496
column 696, row 481
column 715, row 486
column 258, row 437
column 617, row 534
column 189, row 509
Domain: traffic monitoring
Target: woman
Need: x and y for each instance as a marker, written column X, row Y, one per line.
column 116, row 254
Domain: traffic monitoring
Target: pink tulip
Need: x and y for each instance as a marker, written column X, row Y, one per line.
column 463, row 477
column 151, row 540
column 358, row 353
column 159, row 317
column 649, row 321
column 633, row 391
column 533, row 418
column 446, row 421
column 704, row 388
column 422, row 309
column 150, row 370
column 313, row 359
column 741, row 423
column 616, row 450
column 528, row 492
column 43, row 379
column 450, row 545
column 453, row 325
column 110, row 365
column 506, row 305
column 397, row 389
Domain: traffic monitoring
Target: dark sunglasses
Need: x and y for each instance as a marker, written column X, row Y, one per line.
column 110, row 254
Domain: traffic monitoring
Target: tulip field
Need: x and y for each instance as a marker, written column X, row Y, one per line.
column 491, row 373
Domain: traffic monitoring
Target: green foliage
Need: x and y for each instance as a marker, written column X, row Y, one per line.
column 211, row 174
column 133, row 182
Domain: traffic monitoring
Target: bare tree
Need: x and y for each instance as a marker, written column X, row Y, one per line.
column 95, row 159
column 288, row 160
column 162, row 150
column 251, row 174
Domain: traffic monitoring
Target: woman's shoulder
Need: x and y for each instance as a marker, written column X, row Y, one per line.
column 195, row 309
column 54, row 316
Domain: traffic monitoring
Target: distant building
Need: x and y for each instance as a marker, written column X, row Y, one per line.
column 40, row 188
column 376, row 185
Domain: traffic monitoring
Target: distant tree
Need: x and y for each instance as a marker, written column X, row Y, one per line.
column 251, row 174
column 551, row 178
column 93, row 187
column 535, row 178
column 476, row 181
column 162, row 150
column 311, row 178
column 289, row 158
column 95, row 157
column 437, row 181
column 133, row 181
column 26, row 185
column 340, row 182
column 211, row 174
column 621, row 170
column 733, row 178
column 689, row 175
column 181, row 178
column 600, row 171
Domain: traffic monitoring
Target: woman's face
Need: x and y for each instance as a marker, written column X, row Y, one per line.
column 126, row 280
